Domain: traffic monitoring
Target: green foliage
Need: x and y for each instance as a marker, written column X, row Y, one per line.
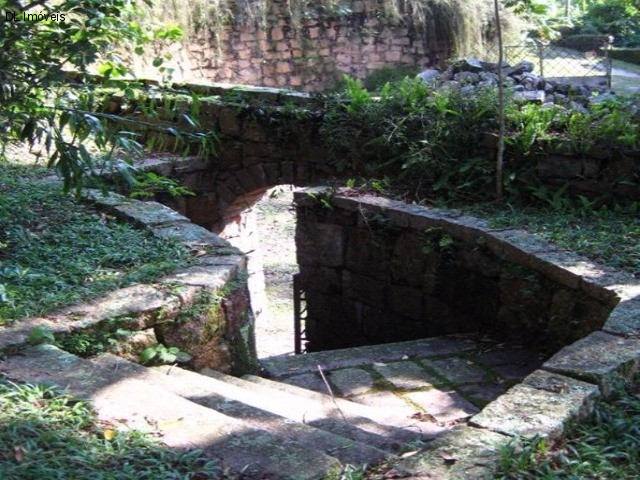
column 148, row 184
column 435, row 142
column 620, row 18
column 413, row 131
column 606, row 234
column 46, row 435
column 41, row 335
column 56, row 252
column 67, row 121
column 89, row 343
column 161, row 354
column 607, row 447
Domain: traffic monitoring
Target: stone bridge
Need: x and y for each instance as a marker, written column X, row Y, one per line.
column 266, row 137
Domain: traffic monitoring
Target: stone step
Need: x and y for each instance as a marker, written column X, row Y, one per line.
column 352, row 420
column 206, row 391
column 285, row 365
column 126, row 396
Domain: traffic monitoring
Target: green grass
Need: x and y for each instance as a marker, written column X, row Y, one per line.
column 607, row 447
column 45, row 435
column 56, row 252
column 609, row 235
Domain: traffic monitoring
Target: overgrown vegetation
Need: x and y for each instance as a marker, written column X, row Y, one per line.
column 606, row 447
column 439, row 142
column 55, row 251
column 46, row 435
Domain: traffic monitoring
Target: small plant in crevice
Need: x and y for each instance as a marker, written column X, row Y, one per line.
column 148, row 184
column 160, row 354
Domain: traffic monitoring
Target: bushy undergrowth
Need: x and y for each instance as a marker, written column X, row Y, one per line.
column 46, row 435
column 55, row 251
column 441, row 142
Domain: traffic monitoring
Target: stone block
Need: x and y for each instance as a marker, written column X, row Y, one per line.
column 625, row 319
column 321, row 279
column 458, row 370
column 190, row 235
column 229, row 122
column 406, row 301
column 321, row 244
column 365, row 289
column 461, row 454
column 600, row 357
column 352, row 381
column 542, row 405
column 407, row 261
column 368, row 253
column 147, row 213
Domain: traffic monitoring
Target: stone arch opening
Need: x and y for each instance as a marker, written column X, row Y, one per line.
column 261, row 223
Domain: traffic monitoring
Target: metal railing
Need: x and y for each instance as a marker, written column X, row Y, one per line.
column 299, row 316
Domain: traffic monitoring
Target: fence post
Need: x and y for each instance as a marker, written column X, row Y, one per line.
column 608, row 61
column 540, row 52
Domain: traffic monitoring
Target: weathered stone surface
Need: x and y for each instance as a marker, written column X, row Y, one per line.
column 625, row 319
column 445, row 405
column 405, row 375
column 458, row 370
column 352, row 381
column 600, row 357
column 147, row 214
column 210, row 277
column 331, row 359
column 192, row 235
column 542, row 405
column 321, row 245
column 464, row 453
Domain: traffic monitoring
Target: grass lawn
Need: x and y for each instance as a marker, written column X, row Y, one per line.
column 45, row 435
column 55, row 251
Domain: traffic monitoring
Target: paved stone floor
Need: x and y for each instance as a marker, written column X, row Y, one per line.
column 441, row 380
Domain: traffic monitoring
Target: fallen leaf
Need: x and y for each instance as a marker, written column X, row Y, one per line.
column 19, row 453
column 109, row 434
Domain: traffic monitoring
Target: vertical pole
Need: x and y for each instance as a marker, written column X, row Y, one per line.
column 297, row 315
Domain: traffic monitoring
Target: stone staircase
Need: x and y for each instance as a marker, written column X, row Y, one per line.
column 274, row 428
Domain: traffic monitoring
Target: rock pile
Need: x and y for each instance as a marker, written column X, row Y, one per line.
column 470, row 74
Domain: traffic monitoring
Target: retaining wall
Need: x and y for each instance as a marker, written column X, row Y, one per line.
column 376, row 270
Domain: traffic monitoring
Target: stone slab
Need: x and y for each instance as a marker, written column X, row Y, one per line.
column 625, row 319
column 147, row 214
column 191, row 235
column 464, row 453
column 599, row 357
column 542, row 405
column 351, row 381
column 405, row 375
column 445, row 405
column 458, row 370
column 353, row 357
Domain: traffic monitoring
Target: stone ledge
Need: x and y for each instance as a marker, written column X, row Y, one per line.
column 147, row 305
column 600, row 357
column 541, row 405
column 461, row 454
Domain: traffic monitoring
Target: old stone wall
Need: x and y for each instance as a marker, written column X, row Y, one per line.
column 307, row 47
column 377, row 271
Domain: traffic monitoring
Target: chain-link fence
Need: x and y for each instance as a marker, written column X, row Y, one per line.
column 580, row 64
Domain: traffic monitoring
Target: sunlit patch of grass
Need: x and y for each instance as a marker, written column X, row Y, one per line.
column 46, row 435
column 55, row 251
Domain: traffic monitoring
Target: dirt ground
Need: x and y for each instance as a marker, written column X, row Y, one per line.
column 276, row 224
